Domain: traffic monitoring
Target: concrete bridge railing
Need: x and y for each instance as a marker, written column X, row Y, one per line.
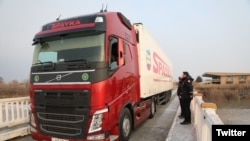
column 204, row 116
column 14, row 117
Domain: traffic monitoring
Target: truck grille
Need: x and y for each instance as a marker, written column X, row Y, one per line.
column 61, row 117
column 61, row 130
column 62, row 114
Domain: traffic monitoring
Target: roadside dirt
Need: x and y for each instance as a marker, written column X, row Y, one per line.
column 234, row 116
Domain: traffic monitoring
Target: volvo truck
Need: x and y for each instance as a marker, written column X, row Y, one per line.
column 95, row 77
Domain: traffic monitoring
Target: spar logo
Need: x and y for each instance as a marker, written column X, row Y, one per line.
column 160, row 66
column 148, row 59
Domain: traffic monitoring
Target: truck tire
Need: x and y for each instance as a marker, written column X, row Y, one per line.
column 152, row 108
column 125, row 125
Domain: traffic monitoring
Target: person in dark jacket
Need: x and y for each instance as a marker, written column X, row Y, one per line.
column 186, row 95
column 179, row 96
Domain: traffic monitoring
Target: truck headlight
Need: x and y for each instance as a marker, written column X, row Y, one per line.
column 96, row 123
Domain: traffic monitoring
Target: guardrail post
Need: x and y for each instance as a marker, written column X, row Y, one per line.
column 207, row 124
column 204, row 116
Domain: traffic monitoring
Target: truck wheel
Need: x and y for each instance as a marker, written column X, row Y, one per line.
column 152, row 108
column 125, row 125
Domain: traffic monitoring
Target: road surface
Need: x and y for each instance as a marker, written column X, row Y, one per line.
column 155, row 129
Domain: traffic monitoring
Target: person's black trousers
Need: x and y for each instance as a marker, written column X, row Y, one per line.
column 186, row 109
column 181, row 105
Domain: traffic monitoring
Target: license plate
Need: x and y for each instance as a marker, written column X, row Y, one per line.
column 57, row 139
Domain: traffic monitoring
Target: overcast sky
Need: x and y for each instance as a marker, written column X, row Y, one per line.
column 197, row 35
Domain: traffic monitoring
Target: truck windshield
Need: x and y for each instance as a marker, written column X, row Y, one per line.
column 70, row 48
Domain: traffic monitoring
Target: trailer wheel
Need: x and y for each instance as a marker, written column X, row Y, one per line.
column 152, row 108
column 125, row 125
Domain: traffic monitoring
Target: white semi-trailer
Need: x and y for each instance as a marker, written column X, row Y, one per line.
column 155, row 67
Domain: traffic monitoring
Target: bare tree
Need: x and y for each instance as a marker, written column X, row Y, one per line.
column 198, row 79
column 26, row 82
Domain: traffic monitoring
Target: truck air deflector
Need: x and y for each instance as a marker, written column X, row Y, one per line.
column 72, row 25
column 124, row 20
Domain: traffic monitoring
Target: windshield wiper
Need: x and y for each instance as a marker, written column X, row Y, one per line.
column 77, row 60
column 46, row 66
column 42, row 63
column 76, row 63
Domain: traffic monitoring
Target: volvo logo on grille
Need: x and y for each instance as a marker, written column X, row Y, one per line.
column 58, row 77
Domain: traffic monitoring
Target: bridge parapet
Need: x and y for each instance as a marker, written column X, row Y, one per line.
column 204, row 116
column 14, row 112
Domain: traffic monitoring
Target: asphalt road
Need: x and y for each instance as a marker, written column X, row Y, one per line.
column 155, row 129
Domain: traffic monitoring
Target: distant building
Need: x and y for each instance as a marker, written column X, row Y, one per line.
column 228, row 78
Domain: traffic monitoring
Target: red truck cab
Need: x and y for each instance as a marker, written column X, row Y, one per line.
column 76, row 93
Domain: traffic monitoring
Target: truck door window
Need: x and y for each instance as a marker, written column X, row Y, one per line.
column 113, row 54
column 117, row 53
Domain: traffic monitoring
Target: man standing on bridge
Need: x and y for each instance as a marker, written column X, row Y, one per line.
column 186, row 95
column 179, row 96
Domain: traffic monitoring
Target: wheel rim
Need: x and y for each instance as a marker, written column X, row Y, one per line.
column 126, row 126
